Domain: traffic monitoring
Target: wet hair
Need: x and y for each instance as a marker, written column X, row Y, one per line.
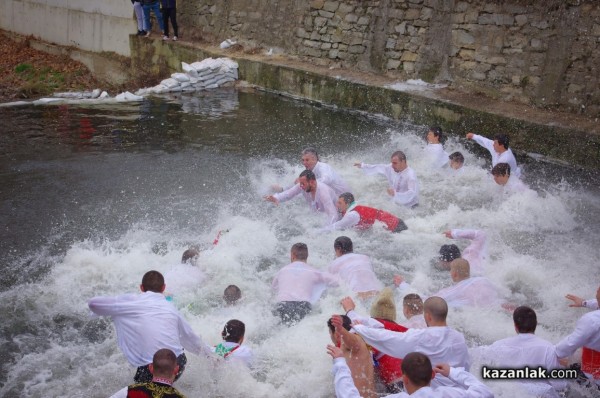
column 449, row 253
column 346, row 323
column 234, row 331
column 312, row 151
column 344, row 244
column 153, row 281
column 437, row 308
column 189, row 254
column 399, row 155
column 417, row 367
column 461, row 267
column 525, row 319
column 502, row 140
column 437, row 131
column 232, row 294
column 310, row 176
column 347, row 197
column 414, row 302
column 164, row 362
column 300, row 251
column 457, row 157
column 501, row 169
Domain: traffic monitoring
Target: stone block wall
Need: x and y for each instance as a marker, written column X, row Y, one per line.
column 540, row 52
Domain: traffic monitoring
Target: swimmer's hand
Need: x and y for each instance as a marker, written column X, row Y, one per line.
column 577, row 301
column 358, row 164
column 470, row 136
column 272, row 199
column 448, row 234
column 391, row 191
column 334, row 351
column 348, row 304
column 442, row 368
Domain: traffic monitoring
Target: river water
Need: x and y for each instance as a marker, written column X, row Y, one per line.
column 93, row 197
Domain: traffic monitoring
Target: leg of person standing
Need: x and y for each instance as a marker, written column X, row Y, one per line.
column 158, row 14
column 139, row 15
column 165, row 15
column 174, row 23
column 147, row 24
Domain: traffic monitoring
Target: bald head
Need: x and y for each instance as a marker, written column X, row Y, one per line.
column 437, row 309
column 460, row 269
column 164, row 364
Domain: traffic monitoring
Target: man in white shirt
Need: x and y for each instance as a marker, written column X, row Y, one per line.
column 412, row 308
column 184, row 277
column 439, row 342
column 525, row 349
column 319, row 196
column 363, row 217
column 499, row 150
column 354, row 269
column 147, row 322
column 509, row 184
column 434, row 151
column 231, row 349
column 457, row 161
column 475, row 253
column 298, row 286
column 417, row 373
column 403, row 185
column 586, row 335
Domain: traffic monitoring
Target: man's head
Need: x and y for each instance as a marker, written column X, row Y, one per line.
column 399, row 161
column 310, row 158
column 190, row 255
column 308, row 181
column 457, row 160
column 153, row 281
column 460, row 270
column 342, row 245
column 417, row 371
column 501, row 173
column 434, row 135
column 412, row 305
column 299, row 252
column 234, row 331
column 435, row 310
column 346, row 323
column 344, row 201
column 164, row 364
column 448, row 253
column 232, row 294
column 500, row 143
column 384, row 306
column 525, row 319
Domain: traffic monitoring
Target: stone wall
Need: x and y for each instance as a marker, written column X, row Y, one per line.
column 540, row 52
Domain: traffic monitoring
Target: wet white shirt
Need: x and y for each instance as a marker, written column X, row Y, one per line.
column 356, row 271
column 476, row 291
column 440, row 343
column 404, row 183
column 586, row 334
column 471, row 387
column 327, row 175
column 524, row 349
column 436, row 155
column 504, row 157
column 145, row 323
column 349, row 220
column 476, row 252
column 324, row 201
column 242, row 353
column 512, row 186
column 415, row 322
column 299, row 281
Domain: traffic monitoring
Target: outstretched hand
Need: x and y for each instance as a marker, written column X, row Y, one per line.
column 337, row 322
column 448, row 234
column 272, row 199
column 442, row 368
column 334, row 351
column 470, row 136
column 359, row 165
column 398, row 279
column 347, row 304
column 577, row 301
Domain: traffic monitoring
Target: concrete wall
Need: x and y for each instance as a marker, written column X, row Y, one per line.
column 92, row 25
column 545, row 53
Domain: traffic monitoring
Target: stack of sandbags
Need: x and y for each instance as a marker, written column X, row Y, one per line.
column 206, row 74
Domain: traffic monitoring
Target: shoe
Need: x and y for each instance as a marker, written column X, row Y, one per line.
column 140, row 32
column 147, row 34
column 165, row 37
column 174, row 38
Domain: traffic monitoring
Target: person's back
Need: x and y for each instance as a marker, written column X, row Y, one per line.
column 231, row 349
column 299, row 281
column 356, row 271
column 476, row 291
column 164, row 368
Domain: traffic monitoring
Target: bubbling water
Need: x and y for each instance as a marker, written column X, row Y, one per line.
column 542, row 245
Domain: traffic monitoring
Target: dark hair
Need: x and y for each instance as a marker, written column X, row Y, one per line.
column 414, row 302
column 232, row 294
column 312, row 151
column 437, row 132
column 501, row 169
column 449, row 253
column 300, row 251
column 417, row 367
column 310, row 176
column 525, row 319
column 399, row 155
column 346, row 323
column 189, row 254
column 234, row 331
column 502, row 140
column 153, row 281
column 164, row 362
column 347, row 197
column 457, row 157
column 344, row 244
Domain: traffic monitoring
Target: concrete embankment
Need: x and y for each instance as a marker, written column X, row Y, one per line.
column 565, row 137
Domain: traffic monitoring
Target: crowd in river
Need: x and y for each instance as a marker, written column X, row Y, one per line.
column 373, row 355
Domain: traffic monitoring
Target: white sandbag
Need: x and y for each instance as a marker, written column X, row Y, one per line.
column 180, row 77
column 170, row 83
column 104, row 95
column 127, row 96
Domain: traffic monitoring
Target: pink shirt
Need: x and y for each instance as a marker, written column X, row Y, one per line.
column 299, row 281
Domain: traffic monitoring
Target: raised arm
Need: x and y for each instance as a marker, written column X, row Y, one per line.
column 342, row 377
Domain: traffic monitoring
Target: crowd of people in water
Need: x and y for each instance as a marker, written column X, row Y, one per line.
column 373, row 354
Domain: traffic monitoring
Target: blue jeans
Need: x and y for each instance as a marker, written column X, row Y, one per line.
column 156, row 9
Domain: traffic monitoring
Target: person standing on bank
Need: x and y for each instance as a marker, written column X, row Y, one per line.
column 152, row 6
column 139, row 15
column 169, row 12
